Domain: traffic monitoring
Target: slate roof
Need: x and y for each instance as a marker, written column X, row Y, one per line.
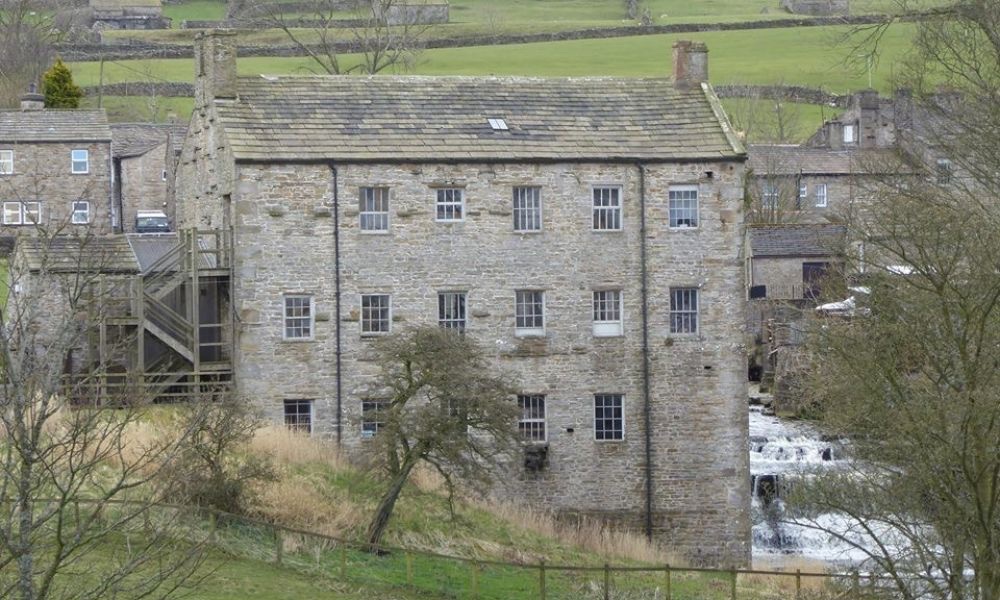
column 796, row 240
column 795, row 159
column 54, row 125
column 136, row 139
column 150, row 247
column 64, row 254
column 118, row 4
column 357, row 118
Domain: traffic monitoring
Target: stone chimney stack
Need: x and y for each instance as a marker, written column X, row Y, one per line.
column 32, row 100
column 215, row 66
column 690, row 64
column 868, row 118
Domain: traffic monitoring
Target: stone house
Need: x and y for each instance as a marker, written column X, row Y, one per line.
column 128, row 14
column 55, row 170
column 789, row 261
column 144, row 158
column 587, row 232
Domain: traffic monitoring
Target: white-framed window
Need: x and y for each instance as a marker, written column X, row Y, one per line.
column 770, row 195
column 163, row 175
column 80, row 161
column 803, row 194
column 376, row 314
column 849, row 136
column 527, row 208
column 607, row 208
column 81, row 212
column 374, row 209
column 943, row 171
column 298, row 317
column 531, row 424
column 6, row 162
column 820, row 191
column 609, row 417
column 451, row 310
column 450, row 206
column 529, row 312
column 372, row 416
column 22, row 213
column 683, row 206
column 607, row 313
column 299, row 415
column 683, row 310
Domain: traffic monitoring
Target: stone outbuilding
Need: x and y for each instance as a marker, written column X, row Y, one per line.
column 128, row 14
column 144, row 159
column 586, row 232
column 55, row 170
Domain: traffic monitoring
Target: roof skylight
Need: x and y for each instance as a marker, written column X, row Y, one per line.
column 498, row 124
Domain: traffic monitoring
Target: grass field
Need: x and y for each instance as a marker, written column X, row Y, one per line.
column 812, row 57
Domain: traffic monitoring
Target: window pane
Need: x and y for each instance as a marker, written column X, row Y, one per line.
column 372, row 417
column 375, row 313
column 6, row 162
column 527, row 209
column 607, row 209
column 532, row 425
column 449, row 205
column 609, row 422
column 298, row 317
column 374, row 208
column 683, row 207
column 298, row 415
column 529, row 309
column 12, row 213
column 684, row 310
column 81, row 213
column 32, row 213
column 451, row 310
column 80, row 159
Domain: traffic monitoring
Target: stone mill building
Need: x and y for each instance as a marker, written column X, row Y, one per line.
column 587, row 232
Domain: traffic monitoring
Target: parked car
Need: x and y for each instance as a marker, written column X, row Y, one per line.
column 151, row 221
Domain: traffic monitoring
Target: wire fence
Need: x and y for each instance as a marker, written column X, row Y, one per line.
column 422, row 573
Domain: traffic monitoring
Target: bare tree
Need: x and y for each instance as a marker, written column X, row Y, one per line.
column 916, row 384
column 27, row 35
column 78, row 483
column 379, row 31
column 443, row 406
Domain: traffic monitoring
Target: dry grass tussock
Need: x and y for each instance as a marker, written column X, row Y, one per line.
column 296, row 503
column 583, row 533
column 288, row 448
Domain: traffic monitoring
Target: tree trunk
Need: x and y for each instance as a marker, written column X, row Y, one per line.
column 388, row 502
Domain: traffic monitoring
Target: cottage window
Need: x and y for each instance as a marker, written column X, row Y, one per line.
column 299, row 318
column 372, row 417
column 81, row 212
column 527, row 209
column 80, row 160
column 6, row 162
column 22, row 213
column 849, row 134
column 609, row 417
column 607, row 313
column 450, row 205
column 374, row 209
column 376, row 314
column 803, row 194
column 943, row 171
column 531, row 425
column 529, row 312
column 683, row 206
column 770, row 196
column 451, row 310
column 820, row 195
column 299, row 415
column 684, row 310
column 607, row 208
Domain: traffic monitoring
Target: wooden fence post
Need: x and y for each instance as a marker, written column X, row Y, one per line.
column 607, row 581
column 798, row 584
column 668, row 582
column 343, row 562
column 541, row 579
column 409, row 569
column 279, row 546
column 475, row 580
column 855, row 585
column 732, row 587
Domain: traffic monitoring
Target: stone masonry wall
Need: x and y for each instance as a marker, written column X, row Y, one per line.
column 143, row 184
column 42, row 173
column 284, row 245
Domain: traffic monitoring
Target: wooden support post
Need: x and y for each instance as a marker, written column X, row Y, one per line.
column 409, row 569
column 669, row 595
column 855, row 585
column 140, row 334
column 541, row 580
column 607, row 581
column 195, row 308
column 343, row 562
column 798, row 584
column 474, row 580
column 732, row 587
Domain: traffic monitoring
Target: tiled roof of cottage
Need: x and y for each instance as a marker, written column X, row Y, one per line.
column 447, row 118
column 65, row 254
column 54, row 125
column 136, row 139
column 814, row 239
column 794, row 159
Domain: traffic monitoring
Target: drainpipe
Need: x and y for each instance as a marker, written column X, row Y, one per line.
column 336, row 296
column 646, row 409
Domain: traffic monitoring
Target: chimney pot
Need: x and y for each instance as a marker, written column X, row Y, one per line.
column 32, row 100
column 690, row 64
